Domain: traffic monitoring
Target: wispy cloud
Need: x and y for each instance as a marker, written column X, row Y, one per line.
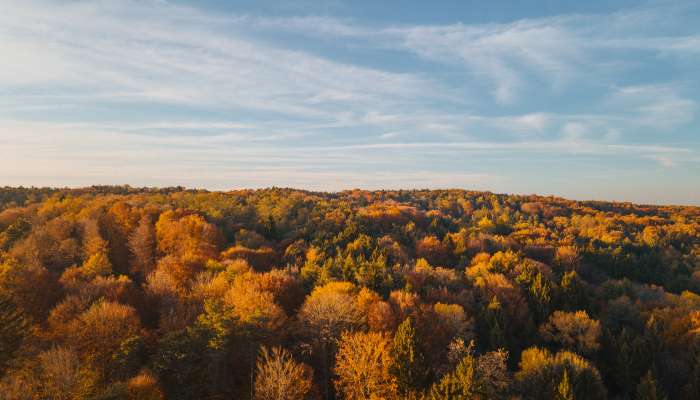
column 515, row 57
column 175, row 55
column 169, row 94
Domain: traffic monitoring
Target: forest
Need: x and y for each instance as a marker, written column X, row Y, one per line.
column 115, row 292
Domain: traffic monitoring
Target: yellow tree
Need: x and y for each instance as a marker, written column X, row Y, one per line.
column 98, row 332
column 144, row 386
column 279, row 377
column 362, row 367
column 326, row 312
column 574, row 331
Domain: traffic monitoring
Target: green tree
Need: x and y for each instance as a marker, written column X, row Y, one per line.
column 181, row 364
column 540, row 295
column 458, row 385
column 408, row 362
column 541, row 372
column 482, row 377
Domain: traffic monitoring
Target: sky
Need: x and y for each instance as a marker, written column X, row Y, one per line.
column 584, row 100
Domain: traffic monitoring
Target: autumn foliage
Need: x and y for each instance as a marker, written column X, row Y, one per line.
column 124, row 293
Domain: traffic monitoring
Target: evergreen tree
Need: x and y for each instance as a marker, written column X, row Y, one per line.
column 564, row 390
column 13, row 329
column 540, row 295
column 647, row 389
column 459, row 385
column 408, row 361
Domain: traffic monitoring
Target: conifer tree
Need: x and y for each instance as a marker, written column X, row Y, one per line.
column 13, row 329
column 564, row 390
column 648, row 389
column 408, row 361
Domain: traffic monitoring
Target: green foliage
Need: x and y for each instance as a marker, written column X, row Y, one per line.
column 459, row 385
column 408, row 362
column 180, row 362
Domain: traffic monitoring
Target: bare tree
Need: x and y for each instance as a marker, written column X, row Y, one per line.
column 279, row 377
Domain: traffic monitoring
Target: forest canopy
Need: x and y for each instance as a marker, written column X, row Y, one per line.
column 114, row 292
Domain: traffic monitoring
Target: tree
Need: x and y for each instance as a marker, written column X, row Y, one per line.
column 573, row 331
column 63, row 376
column 433, row 250
column 630, row 359
column 190, row 237
column 98, row 333
column 541, row 372
column 408, row 362
column 482, row 377
column 540, row 296
column 182, row 364
column 458, row 385
column 256, row 314
column 494, row 379
column 30, row 287
column 326, row 312
column 279, row 377
column 564, row 390
column 142, row 244
column 647, row 388
column 14, row 327
column 573, row 294
column 362, row 367
column 144, row 386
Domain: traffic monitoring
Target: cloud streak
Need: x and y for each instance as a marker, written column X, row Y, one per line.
column 183, row 93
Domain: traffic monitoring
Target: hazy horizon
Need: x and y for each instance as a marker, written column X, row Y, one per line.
column 581, row 101
column 350, row 189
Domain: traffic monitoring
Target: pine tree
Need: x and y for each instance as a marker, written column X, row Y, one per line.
column 458, row 385
column 540, row 293
column 494, row 324
column 408, row 361
column 14, row 327
column 564, row 390
column 647, row 388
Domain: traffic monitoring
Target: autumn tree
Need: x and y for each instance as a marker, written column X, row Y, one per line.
column 564, row 390
column 433, row 250
column 98, row 333
column 280, row 377
column 63, row 376
column 575, row 331
column 142, row 244
column 541, row 372
column 363, row 366
column 475, row 377
column 144, row 386
column 189, row 237
column 31, row 287
column 326, row 313
column 256, row 314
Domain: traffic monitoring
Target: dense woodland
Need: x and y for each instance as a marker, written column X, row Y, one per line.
column 124, row 293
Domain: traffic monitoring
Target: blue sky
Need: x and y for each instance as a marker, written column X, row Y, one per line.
column 586, row 100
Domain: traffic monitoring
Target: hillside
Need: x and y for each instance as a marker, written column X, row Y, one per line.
column 115, row 292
